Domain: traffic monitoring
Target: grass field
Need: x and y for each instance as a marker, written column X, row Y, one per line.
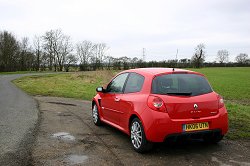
column 80, row 85
column 232, row 83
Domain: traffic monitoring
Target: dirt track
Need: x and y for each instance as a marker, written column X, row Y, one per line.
column 67, row 136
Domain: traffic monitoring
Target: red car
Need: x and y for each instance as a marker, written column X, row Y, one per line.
column 155, row 104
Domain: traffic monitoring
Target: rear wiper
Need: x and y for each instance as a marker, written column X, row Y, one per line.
column 180, row 93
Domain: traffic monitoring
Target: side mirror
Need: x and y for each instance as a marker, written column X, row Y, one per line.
column 100, row 89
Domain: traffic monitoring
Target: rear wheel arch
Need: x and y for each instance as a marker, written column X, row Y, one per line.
column 130, row 120
column 93, row 103
column 133, row 116
column 96, row 113
column 96, row 102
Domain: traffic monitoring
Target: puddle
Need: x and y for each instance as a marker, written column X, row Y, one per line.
column 64, row 136
column 77, row 159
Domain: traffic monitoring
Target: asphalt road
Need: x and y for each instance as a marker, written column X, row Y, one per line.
column 18, row 119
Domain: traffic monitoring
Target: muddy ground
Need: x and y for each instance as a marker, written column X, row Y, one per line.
column 67, row 136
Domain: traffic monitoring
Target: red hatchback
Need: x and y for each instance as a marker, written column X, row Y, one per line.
column 155, row 104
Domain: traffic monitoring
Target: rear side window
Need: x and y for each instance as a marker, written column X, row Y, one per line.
column 180, row 84
column 134, row 83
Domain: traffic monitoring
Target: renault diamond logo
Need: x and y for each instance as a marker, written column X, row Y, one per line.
column 195, row 106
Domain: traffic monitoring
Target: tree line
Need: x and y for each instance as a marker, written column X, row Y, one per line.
column 55, row 51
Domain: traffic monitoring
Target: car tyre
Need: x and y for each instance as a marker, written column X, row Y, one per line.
column 95, row 115
column 138, row 138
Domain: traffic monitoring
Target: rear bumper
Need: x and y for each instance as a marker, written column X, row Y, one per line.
column 162, row 126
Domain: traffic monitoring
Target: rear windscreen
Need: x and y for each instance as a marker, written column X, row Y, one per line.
column 180, row 84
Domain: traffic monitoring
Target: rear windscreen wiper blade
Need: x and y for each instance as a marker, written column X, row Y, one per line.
column 180, row 93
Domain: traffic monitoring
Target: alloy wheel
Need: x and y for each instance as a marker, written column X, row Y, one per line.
column 136, row 134
column 95, row 114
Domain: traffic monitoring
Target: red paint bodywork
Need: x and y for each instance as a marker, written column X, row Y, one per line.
column 159, row 125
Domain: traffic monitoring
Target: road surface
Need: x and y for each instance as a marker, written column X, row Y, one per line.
column 67, row 136
column 18, row 119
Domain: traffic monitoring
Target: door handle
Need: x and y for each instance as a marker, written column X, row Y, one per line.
column 117, row 99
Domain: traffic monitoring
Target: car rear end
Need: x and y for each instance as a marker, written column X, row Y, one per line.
column 183, row 104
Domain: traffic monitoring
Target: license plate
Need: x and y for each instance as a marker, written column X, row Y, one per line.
column 195, row 126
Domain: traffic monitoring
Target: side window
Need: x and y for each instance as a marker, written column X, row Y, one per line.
column 134, row 83
column 116, row 85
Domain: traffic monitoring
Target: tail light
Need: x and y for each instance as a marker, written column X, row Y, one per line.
column 156, row 103
column 220, row 101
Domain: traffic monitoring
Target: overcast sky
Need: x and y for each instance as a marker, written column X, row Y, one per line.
column 160, row 26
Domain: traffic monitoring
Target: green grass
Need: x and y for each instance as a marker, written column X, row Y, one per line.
column 239, row 121
column 80, row 85
column 232, row 83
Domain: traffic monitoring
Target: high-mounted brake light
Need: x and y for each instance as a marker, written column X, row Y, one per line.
column 156, row 103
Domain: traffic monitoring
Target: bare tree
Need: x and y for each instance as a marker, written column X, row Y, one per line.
column 9, row 49
column 199, row 55
column 125, row 61
column 62, row 50
column 99, row 53
column 223, row 56
column 134, row 62
column 69, row 61
column 15, row 55
column 44, row 61
column 117, row 64
column 57, row 46
column 84, row 51
column 109, row 61
column 24, row 53
column 242, row 58
column 37, row 46
column 48, row 40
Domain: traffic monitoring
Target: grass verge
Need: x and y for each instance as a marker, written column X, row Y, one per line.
column 239, row 121
column 80, row 85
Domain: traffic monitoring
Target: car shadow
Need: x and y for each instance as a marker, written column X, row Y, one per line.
column 180, row 147
column 187, row 146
